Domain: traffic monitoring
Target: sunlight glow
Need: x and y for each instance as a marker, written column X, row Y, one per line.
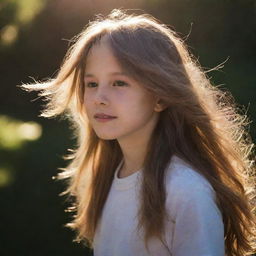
column 29, row 131
column 14, row 133
column 8, row 34
column 27, row 10
column 5, row 177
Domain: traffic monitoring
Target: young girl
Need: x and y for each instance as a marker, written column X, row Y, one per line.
column 163, row 161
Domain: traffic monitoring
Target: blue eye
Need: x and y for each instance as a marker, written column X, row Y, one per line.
column 120, row 83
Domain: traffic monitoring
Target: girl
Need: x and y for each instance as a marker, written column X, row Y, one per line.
column 163, row 161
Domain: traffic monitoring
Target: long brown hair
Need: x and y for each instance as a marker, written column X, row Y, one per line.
column 201, row 124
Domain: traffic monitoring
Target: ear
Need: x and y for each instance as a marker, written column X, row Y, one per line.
column 160, row 106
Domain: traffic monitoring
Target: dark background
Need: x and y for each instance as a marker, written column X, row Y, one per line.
column 34, row 36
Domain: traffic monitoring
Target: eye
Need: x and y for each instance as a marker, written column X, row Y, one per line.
column 91, row 84
column 120, row 83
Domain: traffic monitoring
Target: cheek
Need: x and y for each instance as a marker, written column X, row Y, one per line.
column 145, row 104
column 138, row 109
column 85, row 97
column 87, row 105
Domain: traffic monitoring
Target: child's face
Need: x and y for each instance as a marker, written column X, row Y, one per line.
column 108, row 90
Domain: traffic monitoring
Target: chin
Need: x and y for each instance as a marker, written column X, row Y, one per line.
column 106, row 137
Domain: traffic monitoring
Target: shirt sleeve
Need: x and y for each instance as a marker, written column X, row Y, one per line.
column 198, row 228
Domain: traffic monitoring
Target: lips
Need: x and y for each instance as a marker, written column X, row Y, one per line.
column 103, row 116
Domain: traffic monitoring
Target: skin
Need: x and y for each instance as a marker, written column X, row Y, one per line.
column 109, row 90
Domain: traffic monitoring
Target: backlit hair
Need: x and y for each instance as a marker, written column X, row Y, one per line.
column 201, row 124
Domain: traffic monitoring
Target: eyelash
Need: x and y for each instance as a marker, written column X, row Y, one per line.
column 118, row 81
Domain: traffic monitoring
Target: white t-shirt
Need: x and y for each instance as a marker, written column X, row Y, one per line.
column 195, row 226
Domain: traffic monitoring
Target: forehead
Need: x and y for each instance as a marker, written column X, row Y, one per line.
column 101, row 53
column 101, row 62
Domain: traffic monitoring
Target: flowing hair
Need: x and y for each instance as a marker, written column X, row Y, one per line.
column 201, row 124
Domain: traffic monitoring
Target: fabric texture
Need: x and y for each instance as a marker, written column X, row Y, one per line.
column 194, row 225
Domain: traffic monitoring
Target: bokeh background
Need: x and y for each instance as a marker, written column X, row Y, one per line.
column 34, row 37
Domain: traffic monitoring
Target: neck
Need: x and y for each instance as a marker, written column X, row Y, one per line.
column 134, row 147
column 132, row 163
column 134, row 154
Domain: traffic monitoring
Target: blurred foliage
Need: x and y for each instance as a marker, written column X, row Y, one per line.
column 34, row 36
column 17, row 13
column 6, row 177
column 13, row 133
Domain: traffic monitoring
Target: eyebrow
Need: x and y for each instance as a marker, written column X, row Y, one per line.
column 112, row 74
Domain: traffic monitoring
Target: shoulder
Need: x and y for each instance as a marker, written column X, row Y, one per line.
column 181, row 176
column 197, row 223
column 186, row 188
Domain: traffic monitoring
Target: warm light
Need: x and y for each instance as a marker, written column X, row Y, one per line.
column 25, row 12
column 28, row 9
column 14, row 133
column 9, row 34
column 29, row 131
column 5, row 177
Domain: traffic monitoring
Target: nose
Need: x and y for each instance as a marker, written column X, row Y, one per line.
column 101, row 96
